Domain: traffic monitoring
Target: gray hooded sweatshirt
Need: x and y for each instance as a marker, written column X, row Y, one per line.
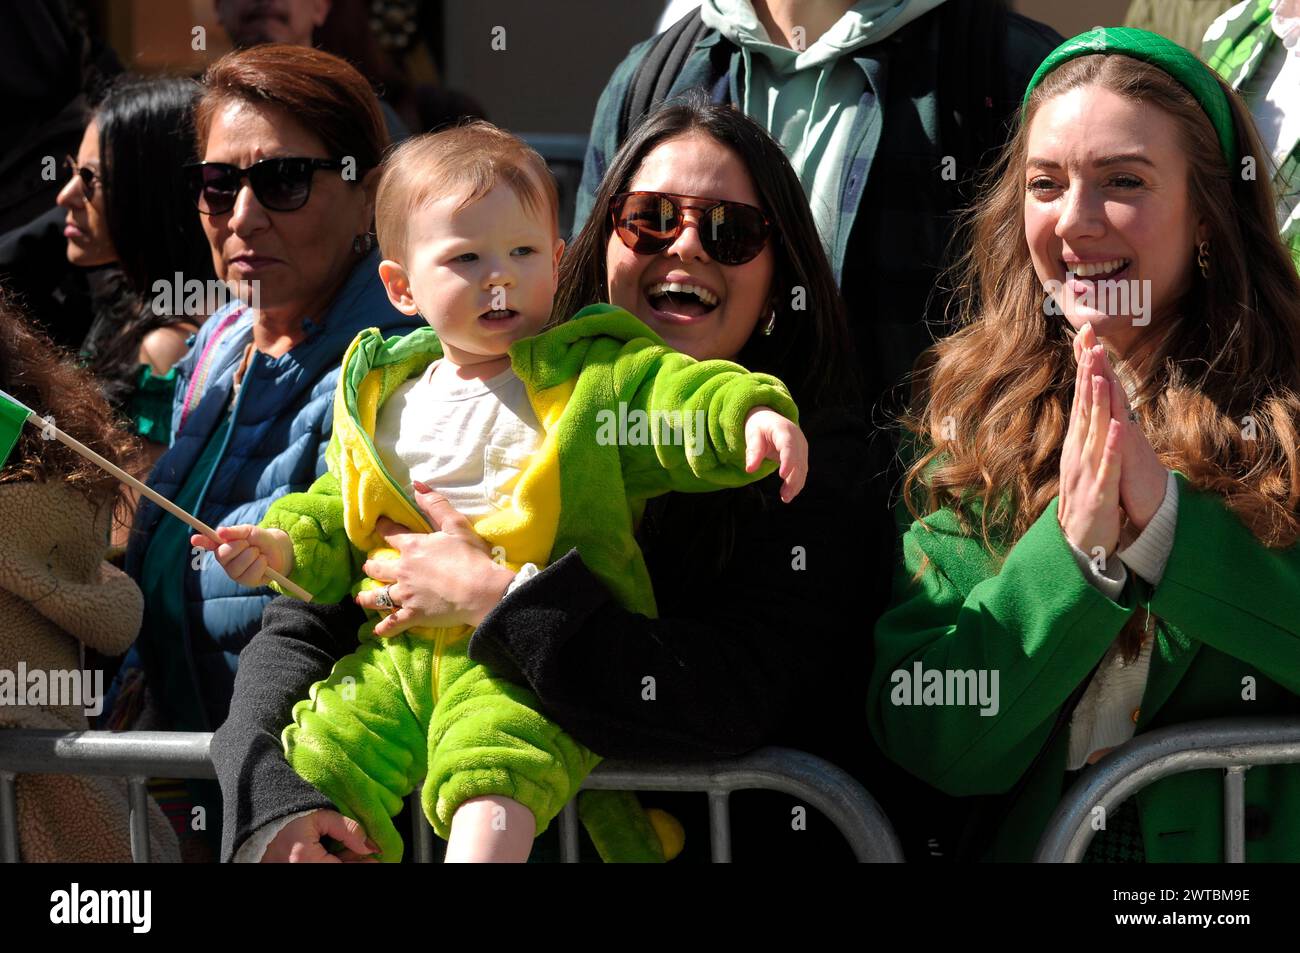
column 806, row 98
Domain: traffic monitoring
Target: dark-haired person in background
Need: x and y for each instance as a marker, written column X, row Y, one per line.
column 124, row 207
column 52, row 70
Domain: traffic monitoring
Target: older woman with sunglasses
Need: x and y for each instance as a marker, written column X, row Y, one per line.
column 706, row 236
column 289, row 139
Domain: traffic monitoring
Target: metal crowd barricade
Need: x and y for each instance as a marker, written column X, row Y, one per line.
column 1232, row 744
column 140, row 755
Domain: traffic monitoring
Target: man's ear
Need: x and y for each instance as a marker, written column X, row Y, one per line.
column 398, row 287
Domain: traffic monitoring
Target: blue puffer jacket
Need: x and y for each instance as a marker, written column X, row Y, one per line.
column 276, row 445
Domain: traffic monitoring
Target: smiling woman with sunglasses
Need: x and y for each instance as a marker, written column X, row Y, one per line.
column 705, row 235
column 280, row 130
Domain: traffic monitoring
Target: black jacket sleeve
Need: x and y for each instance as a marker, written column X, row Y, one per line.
column 771, row 648
column 297, row 646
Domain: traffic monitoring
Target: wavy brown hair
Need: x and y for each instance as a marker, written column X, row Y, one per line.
column 34, row 371
column 1217, row 390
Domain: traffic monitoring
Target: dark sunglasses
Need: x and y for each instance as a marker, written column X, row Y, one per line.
column 649, row 222
column 281, row 185
column 88, row 177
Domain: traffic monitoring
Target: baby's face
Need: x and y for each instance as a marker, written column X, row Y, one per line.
column 483, row 276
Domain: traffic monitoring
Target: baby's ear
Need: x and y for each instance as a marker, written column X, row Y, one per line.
column 558, row 253
column 398, row 287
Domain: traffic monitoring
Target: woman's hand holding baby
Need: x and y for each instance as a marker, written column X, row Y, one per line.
column 444, row 578
column 769, row 436
column 247, row 551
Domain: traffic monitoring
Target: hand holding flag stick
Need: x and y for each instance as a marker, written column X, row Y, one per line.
column 14, row 413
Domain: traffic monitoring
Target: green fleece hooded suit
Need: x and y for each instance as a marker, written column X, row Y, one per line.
column 619, row 413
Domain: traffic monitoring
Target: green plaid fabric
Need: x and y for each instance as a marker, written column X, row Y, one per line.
column 1234, row 46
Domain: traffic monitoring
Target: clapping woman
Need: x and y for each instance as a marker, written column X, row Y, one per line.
column 1103, row 502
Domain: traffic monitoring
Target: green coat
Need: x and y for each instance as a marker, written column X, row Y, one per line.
column 1230, row 610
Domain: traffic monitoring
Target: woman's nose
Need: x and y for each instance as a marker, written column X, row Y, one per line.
column 71, row 196
column 688, row 246
column 1081, row 215
column 247, row 215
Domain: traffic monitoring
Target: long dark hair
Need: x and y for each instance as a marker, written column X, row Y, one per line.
column 811, row 349
column 146, row 133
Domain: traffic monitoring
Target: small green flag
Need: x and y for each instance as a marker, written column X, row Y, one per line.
column 12, row 417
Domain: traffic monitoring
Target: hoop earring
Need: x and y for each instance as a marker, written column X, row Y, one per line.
column 770, row 324
column 362, row 244
column 1203, row 258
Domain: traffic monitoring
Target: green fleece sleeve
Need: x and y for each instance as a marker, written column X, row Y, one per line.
column 1223, row 587
column 973, row 660
column 680, row 423
column 325, row 563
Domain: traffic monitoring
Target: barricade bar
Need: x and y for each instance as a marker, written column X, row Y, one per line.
column 150, row 754
column 1232, row 744
column 139, row 755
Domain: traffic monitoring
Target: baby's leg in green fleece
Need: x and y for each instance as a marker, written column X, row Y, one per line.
column 371, row 731
column 360, row 737
column 492, row 829
column 487, row 738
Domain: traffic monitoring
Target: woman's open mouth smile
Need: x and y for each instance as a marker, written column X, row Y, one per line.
column 680, row 302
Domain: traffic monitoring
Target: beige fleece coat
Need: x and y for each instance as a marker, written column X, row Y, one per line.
column 57, row 592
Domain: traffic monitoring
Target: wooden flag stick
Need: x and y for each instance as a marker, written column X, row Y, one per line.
column 139, row 487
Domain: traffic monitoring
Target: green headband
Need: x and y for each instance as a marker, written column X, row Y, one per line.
column 1154, row 49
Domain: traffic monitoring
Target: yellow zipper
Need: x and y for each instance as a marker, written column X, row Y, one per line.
column 437, row 662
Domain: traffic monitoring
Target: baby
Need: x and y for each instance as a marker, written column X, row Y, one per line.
column 509, row 421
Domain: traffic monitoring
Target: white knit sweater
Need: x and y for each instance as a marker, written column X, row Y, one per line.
column 1107, row 714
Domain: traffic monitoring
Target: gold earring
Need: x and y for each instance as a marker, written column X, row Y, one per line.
column 1203, row 258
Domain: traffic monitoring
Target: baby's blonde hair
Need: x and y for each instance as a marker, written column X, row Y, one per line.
column 472, row 158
